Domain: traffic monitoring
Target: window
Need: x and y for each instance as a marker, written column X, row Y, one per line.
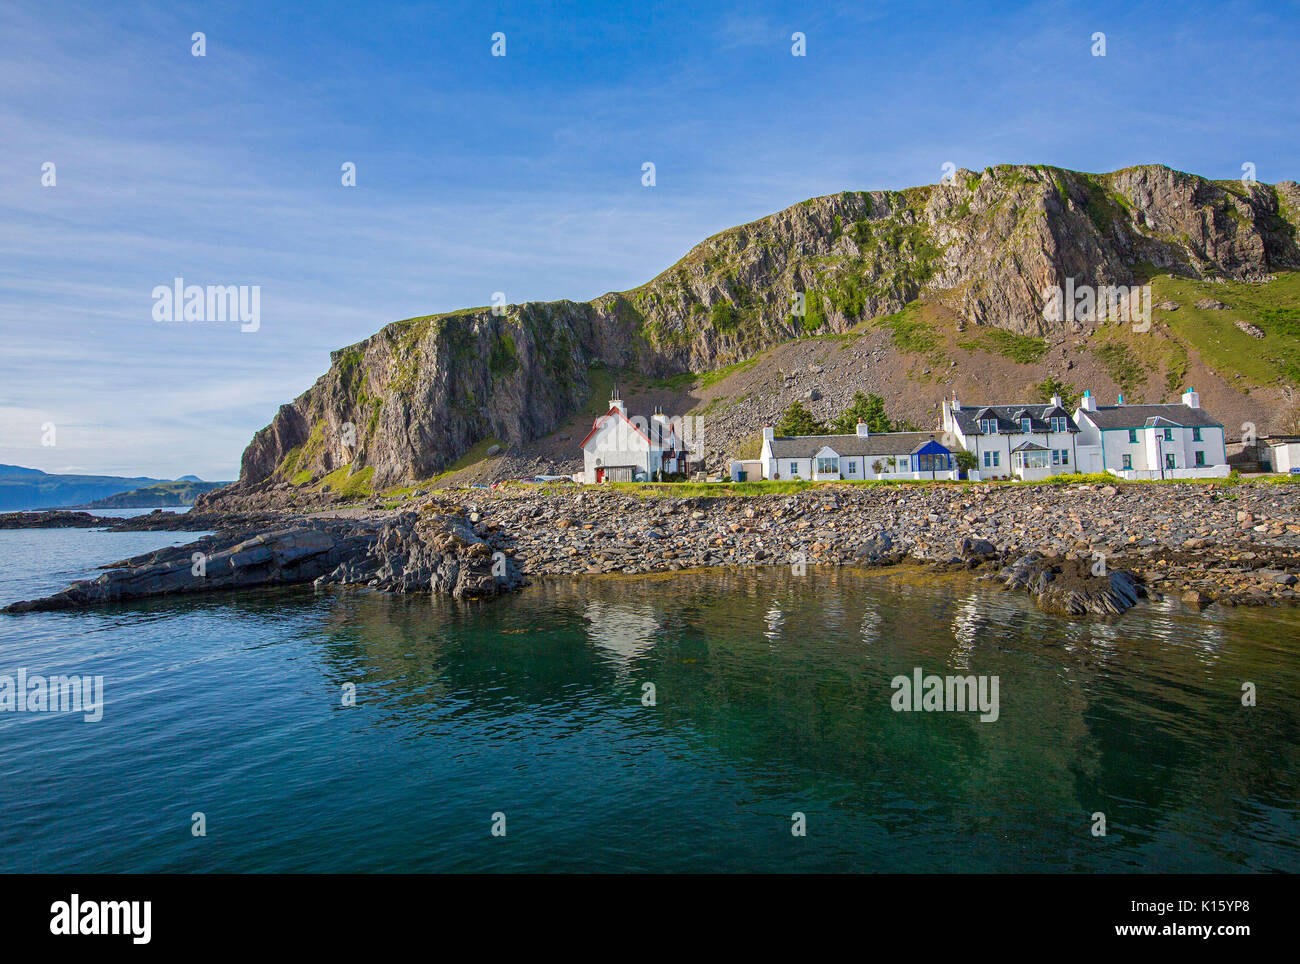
column 1065, row 456
column 853, row 467
column 1196, row 435
column 1060, row 456
column 1170, row 461
column 1200, row 457
column 992, row 459
column 1025, row 426
column 1128, row 462
column 1169, row 435
column 794, row 468
column 828, row 466
column 1132, row 436
column 989, row 426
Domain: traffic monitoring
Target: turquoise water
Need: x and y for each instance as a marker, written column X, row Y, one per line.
column 773, row 696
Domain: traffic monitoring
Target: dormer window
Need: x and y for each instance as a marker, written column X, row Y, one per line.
column 1025, row 426
column 989, row 426
column 1060, row 424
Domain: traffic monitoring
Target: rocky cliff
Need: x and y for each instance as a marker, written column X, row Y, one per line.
column 406, row 403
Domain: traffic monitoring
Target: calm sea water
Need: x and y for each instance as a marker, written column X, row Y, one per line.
column 773, row 697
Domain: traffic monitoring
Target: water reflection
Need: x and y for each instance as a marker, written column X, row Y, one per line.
column 967, row 622
column 623, row 630
column 773, row 695
column 774, row 620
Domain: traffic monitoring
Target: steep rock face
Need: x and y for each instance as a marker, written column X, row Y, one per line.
column 405, row 403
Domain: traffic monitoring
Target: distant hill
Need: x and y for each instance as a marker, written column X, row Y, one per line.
column 24, row 488
column 180, row 492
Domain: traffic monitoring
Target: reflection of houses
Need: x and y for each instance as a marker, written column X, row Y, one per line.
column 622, row 449
column 1029, row 442
column 624, row 631
column 1167, row 441
column 888, row 455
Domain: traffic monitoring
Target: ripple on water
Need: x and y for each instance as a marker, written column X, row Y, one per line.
column 772, row 696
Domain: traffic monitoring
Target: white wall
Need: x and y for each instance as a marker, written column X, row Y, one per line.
column 617, row 443
column 978, row 443
column 1286, row 457
column 1148, row 452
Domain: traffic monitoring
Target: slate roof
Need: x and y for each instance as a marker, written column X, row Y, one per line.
column 1009, row 416
column 1138, row 416
column 887, row 443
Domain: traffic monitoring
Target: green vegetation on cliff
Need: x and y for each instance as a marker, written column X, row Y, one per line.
column 921, row 264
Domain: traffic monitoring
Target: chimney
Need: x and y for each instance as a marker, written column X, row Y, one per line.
column 1191, row 399
column 616, row 401
column 769, row 433
column 1089, row 401
column 1057, row 402
column 661, row 430
column 863, row 431
column 1120, row 400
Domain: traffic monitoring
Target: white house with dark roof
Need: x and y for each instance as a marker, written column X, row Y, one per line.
column 857, row 457
column 623, row 449
column 1028, row 441
column 1166, row 441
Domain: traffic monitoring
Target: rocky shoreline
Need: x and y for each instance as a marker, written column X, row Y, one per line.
column 406, row 553
column 1079, row 550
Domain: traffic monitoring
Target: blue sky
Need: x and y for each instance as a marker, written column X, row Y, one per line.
column 519, row 174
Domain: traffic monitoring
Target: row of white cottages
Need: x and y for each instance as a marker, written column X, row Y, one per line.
column 1022, row 441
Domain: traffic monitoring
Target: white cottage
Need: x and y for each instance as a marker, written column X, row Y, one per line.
column 623, row 449
column 1165, row 441
column 1026, row 441
column 887, row 455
